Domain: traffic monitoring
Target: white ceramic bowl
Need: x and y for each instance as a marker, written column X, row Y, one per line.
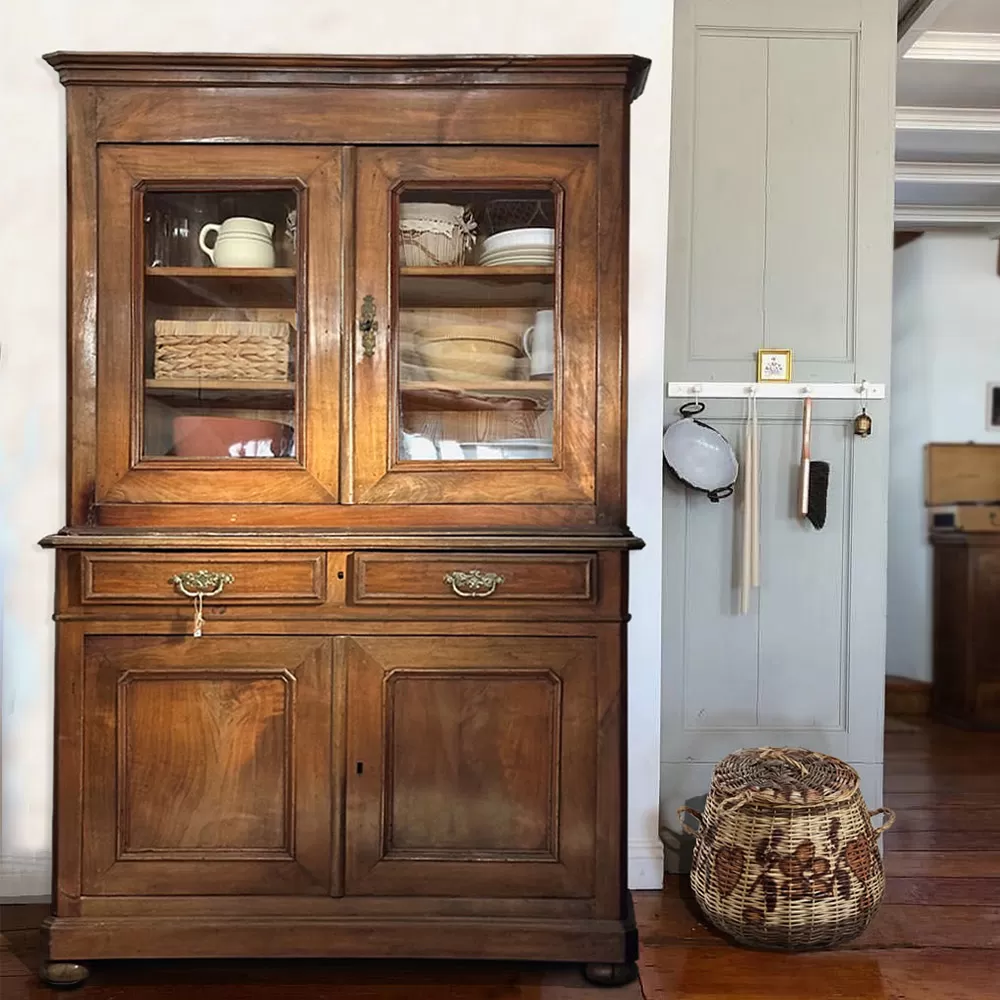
column 533, row 238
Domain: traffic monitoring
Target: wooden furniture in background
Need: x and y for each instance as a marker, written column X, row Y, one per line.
column 401, row 731
column 966, row 689
column 906, row 696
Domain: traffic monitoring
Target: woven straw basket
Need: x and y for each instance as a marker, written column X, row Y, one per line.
column 221, row 349
column 785, row 855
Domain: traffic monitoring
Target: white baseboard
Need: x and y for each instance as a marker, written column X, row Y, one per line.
column 645, row 864
column 25, row 879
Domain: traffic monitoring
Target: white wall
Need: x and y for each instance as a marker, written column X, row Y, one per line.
column 945, row 350
column 32, row 407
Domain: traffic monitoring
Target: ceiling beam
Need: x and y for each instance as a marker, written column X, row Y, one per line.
column 956, row 46
column 916, row 19
column 915, row 172
column 945, row 217
column 948, row 119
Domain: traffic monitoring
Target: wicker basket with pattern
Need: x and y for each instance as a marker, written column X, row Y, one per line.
column 785, row 855
column 221, row 349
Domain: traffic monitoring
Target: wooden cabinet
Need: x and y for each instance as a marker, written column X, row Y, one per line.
column 966, row 689
column 341, row 596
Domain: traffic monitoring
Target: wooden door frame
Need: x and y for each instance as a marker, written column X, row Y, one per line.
column 377, row 475
column 123, row 475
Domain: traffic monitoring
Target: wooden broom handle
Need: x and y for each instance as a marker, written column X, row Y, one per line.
column 807, row 413
column 807, row 420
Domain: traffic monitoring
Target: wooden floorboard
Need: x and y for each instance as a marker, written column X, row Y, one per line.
column 944, row 891
column 985, row 820
column 936, row 936
column 940, row 840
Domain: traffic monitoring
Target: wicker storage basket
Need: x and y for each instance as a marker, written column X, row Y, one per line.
column 221, row 349
column 434, row 235
column 785, row 855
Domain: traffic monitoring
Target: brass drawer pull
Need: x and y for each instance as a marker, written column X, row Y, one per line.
column 473, row 582
column 199, row 584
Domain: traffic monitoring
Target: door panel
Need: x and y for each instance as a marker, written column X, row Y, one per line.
column 471, row 766
column 474, row 362
column 209, row 765
column 218, row 348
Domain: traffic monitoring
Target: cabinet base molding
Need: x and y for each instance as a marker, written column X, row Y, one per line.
column 591, row 941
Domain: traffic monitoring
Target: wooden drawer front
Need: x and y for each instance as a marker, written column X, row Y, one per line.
column 298, row 577
column 382, row 578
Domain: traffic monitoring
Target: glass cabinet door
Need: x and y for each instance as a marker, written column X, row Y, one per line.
column 475, row 354
column 219, row 292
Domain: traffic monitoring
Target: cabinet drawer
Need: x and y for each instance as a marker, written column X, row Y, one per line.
column 381, row 578
column 296, row 577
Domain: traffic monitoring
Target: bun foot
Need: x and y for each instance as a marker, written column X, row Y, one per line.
column 610, row 973
column 64, row 974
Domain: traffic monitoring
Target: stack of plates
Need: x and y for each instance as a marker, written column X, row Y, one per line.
column 523, row 247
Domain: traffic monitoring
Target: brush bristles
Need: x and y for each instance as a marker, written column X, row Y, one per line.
column 819, row 485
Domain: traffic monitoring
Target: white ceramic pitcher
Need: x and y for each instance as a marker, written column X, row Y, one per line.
column 538, row 342
column 239, row 242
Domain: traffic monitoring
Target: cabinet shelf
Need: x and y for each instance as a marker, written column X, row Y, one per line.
column 477, row 271
column 222, row 287
column 534, row 387
column 491, row 395
column 251, row 394
column 444, row 287
column 222, row 273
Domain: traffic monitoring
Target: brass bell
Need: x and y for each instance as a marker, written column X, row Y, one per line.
column 863, row 423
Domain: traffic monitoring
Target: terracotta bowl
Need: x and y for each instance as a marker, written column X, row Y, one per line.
column 229, row 437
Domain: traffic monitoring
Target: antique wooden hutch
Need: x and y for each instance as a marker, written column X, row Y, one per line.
column 341, row 599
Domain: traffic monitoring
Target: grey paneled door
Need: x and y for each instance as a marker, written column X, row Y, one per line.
column 780, row 223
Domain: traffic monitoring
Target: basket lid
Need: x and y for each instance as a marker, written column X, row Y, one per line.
column 782, row 776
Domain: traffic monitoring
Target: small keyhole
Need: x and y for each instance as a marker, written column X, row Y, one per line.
column 340, row 575
column 360, row 767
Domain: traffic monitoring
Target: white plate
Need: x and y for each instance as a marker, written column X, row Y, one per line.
column 538, row 259
column 519, row 238
column 485, row 251
column 526, row 252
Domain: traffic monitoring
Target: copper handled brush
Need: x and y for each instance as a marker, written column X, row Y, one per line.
column 815, row 482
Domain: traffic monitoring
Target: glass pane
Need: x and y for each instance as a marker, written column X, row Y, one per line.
column 220, row 320
column 478, row 324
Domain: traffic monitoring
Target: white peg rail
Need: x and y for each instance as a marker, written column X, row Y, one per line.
column 776, row 390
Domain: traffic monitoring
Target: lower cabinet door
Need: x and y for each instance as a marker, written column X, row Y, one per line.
column 471, row 767
column 207, row 765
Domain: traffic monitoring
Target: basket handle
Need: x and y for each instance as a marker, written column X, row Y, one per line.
column 684, row 826
column 890, row 818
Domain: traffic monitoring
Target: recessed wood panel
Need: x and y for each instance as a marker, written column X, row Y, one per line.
column 384, row 577
column 464, row 753
column 279, row 576
column 204, row 763
column 210, row 765
column 484, row 739
column 726, row 317
column 810, row 232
